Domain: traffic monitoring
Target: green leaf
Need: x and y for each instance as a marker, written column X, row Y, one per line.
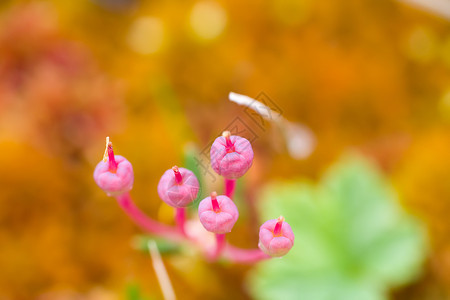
column 194, row 162
column 352, row 238
column 140, row 242
column 133, row 292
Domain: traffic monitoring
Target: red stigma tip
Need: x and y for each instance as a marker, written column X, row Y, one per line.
column 178, row 177
column 229, row 143
column 277, row 229
column 214, row 202
column 109, row 156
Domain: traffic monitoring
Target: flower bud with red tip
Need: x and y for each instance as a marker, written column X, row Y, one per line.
column 276, row 237
column 178, row 187
column 218, row 214
column 114, row 174
column 231, row 155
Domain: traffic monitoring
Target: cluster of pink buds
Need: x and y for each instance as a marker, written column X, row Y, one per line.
column 231, row 157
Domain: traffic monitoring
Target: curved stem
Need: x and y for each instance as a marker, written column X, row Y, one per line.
column 145, row 222
column 234, row 254
column 180, row 219
column 220, row 245
column 245, row 256
column 230, row 185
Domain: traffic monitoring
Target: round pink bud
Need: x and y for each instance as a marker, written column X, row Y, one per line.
column 231, row 155
column 218, row 213
column 276, row 237
column 178, row 187
column 114, row 174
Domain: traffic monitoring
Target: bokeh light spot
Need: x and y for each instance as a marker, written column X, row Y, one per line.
column 146, row 35
column 208, row 19
column 421, row 45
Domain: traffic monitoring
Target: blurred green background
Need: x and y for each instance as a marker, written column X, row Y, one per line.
column 365, row 85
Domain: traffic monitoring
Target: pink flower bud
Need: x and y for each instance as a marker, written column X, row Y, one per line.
column 231, row 155
column 114, row 174
column 178, row 187
column 218, row 213
column 276, row 237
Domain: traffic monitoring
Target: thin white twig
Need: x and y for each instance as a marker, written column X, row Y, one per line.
column 299, row 139
column 161, row 272
column 259, row 107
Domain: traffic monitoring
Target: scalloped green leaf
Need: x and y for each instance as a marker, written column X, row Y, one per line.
column 352, row 238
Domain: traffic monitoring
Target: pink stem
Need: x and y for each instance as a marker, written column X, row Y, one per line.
column 146, row 223
column 230, row 185
column 245, row 256
column 180, row 219
column 220, row 245
column 234, row 254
